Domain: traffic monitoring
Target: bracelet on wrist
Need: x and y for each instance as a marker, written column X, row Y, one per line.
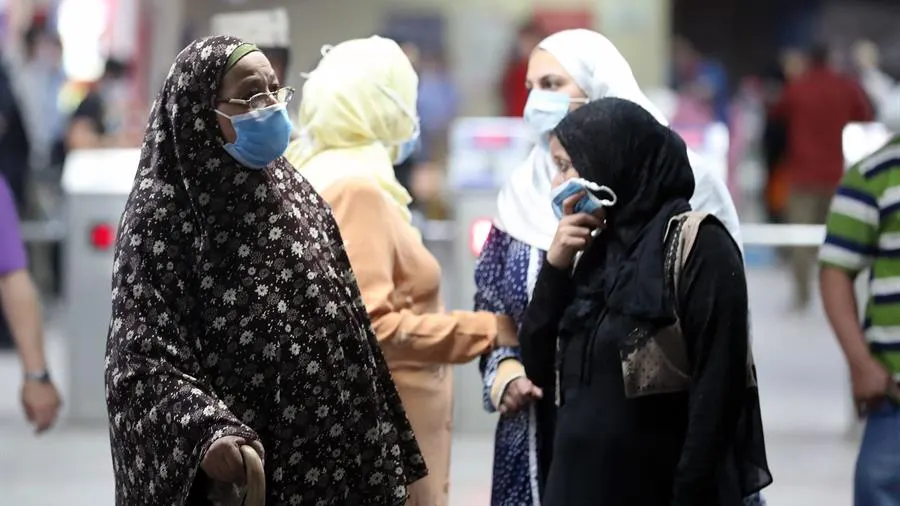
column 42, row 376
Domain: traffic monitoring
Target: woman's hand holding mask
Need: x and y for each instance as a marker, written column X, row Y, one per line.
column 572, row 235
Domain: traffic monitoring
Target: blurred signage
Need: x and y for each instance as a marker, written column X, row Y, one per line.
column 425, row 30
column 484, row 151
column 710, row 141
column 268, row 29
column 265, row 28
column 556, row 20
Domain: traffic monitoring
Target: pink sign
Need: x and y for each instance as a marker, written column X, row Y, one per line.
column 556, row 20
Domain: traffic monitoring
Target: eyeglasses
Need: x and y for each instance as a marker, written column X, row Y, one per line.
column 263, row 100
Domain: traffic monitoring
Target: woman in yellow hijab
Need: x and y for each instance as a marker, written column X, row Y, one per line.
column 358, row 120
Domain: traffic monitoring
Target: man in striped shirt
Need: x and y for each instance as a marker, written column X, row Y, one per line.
column 863, row 232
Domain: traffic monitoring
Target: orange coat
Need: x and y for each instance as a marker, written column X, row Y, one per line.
column 400, row 284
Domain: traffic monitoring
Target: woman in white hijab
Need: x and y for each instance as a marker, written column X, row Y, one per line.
column 568, row 69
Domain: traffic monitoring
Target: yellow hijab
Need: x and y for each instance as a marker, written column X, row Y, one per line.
column 358, row 105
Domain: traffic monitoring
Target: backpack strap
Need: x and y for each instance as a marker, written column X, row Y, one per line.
column 680, row 240
column 681, row 237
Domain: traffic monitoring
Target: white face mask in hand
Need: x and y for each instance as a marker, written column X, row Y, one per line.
column 589, row 204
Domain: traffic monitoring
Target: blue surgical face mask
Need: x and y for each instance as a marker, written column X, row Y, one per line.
column 545, row 109
column 262, row 136
column 406, row 148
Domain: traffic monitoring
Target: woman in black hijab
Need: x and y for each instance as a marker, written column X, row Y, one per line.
column 656, row 389
column 236, row 317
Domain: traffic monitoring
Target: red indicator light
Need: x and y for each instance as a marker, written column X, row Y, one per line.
column 103, row 236
column 478, row 234
column 488, row 142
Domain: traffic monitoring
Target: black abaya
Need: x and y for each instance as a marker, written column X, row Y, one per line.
column 658, row 449
column 652, row 368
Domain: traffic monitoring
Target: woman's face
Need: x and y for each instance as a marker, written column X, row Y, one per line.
column 251, row 75
column 546, row 73
column 564, row 169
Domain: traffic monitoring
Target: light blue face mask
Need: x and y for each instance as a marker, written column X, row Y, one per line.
column 262, row 136
column 406, row 150
column 545, row 109
column 408, row 147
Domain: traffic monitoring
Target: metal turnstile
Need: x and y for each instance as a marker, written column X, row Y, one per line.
column 96, row 184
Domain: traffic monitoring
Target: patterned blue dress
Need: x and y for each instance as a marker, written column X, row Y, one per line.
column 504, row 277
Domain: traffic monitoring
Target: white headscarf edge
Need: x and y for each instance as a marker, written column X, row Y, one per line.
column 600, row 70
column 524, row 203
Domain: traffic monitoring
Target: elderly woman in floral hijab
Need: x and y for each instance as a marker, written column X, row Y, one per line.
column 236, row 317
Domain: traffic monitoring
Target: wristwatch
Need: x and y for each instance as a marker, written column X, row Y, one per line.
column 38, row 376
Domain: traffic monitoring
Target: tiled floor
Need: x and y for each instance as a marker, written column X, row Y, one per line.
column 72, row 467
column 804, row 402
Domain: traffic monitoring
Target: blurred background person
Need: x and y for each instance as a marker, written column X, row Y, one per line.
column 882, row 89
column 791, row 64
column 423, row 172
column 405, row 170
column 42, row 79
column 100, row 120
column 15, row 145
column 21, row 310
column 866, row 62
column 815, row 107
column 701, row 83
column 512, row 90
column 438, row 106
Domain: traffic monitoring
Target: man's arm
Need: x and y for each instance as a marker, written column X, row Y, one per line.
column 839, row 299
column 851, row 241
column 19, row 302
column 19, row 305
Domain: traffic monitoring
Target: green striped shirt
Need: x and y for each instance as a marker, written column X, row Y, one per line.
column 863, row 232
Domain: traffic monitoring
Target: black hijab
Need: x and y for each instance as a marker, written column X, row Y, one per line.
column 616, row 143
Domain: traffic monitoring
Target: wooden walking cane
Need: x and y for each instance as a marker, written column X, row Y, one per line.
column 253, row 493
column 256, row 477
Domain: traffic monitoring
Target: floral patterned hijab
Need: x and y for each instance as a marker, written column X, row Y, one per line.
column 235, row 312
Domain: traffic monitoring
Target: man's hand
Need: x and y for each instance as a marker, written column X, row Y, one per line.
column 519, row 393
column 223, row 461
column 871, row 381
column 41, row 403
